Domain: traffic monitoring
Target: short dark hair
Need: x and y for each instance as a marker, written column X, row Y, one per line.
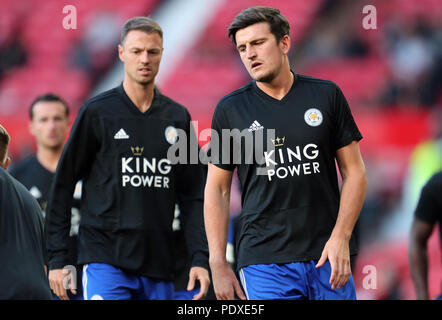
column 47, row 97
column 4, row 143
column 279, row 24
column 145, row 24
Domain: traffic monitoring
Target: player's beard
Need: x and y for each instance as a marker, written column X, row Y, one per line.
column 141, row 80
column 272, row 74
column 144, row 81
column 267, row 78
column 53, row 147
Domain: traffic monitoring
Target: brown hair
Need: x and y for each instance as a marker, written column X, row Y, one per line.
column 4, row 143
column 145, row 24
column 279, row 24
column 47, row 97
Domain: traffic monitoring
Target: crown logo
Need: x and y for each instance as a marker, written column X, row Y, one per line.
column 278, row 142
column 137, row 151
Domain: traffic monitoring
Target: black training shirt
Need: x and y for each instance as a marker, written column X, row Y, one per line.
column 36, row 178
column 129, row 186
column 290, row 192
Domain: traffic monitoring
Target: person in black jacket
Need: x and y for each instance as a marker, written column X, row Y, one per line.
column 49, row 124
column 427, row 215
column 22, row 248
column 118, row 147
column 285, row 134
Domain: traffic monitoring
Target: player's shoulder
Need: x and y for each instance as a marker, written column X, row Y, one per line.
column 23, row 166
column 435, row 182
column 3, row 176
column 318, row 83
column 438, row 177
column 13, row 185
column 171, row 106
column 101, row 100
column 237, row 94
column 234, row 98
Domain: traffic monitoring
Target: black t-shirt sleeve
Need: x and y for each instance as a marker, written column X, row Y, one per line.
column 190, row 187
column 190, row 199
column 39, row 215
column 427, row 209
column 74, row 162
column 345, row 126
column 221, row 146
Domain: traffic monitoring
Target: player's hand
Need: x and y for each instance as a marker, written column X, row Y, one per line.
column 225, row 282
column 57, row 283
column 337, row 251
column 202, row 275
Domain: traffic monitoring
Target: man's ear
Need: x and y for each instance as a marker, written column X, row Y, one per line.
column 285, row 44
column 7, row 162
column 31, row 128
column 120, row 52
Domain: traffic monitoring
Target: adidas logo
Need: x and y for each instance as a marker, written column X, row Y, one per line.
column 35, row 192
column 121, row 134
column 255, row 126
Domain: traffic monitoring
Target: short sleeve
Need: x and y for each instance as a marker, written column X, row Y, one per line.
column 345, row 126
column 220, row 150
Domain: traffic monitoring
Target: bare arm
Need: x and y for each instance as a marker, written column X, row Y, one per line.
column 216, row 211
column 216, row 217
column 417, row 254
column 353, row 191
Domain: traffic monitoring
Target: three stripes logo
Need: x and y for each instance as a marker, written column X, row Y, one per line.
column 121, row 135
column 255, row 126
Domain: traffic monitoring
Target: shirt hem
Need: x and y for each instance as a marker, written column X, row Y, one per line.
column 284, row 259
column 136, row 272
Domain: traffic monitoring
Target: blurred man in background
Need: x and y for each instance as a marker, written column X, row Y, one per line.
column 428, row 214
column 22, row 248
column 296, row 226
column 118, row 147
column 49, row 124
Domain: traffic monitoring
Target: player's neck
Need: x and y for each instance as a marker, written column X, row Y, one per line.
column 48, row 157
column 279, row 86
column 140, row 95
